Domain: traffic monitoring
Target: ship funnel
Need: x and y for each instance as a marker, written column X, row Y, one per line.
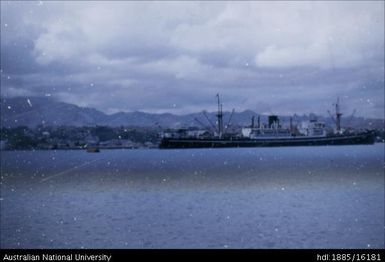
column 273, row 120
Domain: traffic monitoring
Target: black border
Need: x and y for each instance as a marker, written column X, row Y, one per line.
column 214, row 254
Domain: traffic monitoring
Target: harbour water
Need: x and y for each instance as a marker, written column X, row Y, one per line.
column 291, row 197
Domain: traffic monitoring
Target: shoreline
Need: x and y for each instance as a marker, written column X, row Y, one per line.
column 131, row 148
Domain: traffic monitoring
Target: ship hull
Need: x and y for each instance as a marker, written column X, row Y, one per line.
column 356, row 139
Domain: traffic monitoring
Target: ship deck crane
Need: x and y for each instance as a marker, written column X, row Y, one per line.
column 208, row 119
column 231, row 116
column 351, row 118
column 199, row 122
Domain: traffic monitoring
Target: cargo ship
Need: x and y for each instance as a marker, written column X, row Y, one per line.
column 272, row 134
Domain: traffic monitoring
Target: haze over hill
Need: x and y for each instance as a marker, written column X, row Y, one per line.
column 34, row 111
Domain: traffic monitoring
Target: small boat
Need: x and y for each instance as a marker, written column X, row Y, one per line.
column 93, row 149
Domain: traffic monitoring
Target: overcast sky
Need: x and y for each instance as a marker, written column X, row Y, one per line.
column 271, row 57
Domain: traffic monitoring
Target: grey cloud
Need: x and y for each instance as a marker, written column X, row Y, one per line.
column 284, row 57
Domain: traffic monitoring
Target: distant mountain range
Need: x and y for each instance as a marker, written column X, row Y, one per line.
column 34, row 111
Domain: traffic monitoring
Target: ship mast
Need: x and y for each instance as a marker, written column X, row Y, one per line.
column 338, row 116
column 220, row 118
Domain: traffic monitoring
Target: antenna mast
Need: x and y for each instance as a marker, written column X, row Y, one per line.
column 220, row 117
column 338, row 116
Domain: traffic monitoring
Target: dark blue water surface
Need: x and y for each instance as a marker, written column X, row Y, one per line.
column 294, row 197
